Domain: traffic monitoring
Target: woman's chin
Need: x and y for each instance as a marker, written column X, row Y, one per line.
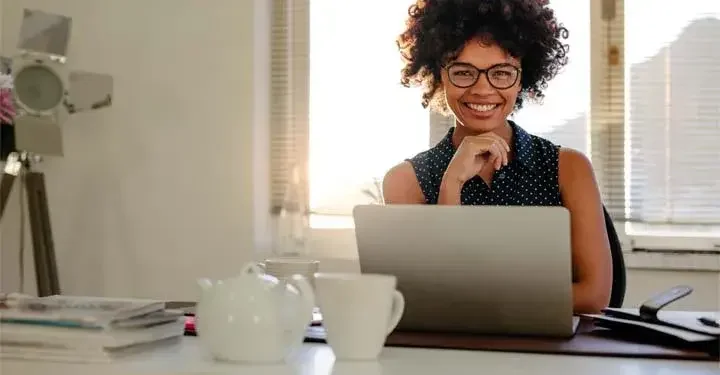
column 482, row 126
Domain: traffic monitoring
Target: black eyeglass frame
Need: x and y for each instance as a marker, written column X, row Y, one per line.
column 483, row 72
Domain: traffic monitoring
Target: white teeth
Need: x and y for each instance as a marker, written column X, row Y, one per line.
column 482, row 107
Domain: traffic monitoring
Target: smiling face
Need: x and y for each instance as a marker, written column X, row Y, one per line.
column 478, row 105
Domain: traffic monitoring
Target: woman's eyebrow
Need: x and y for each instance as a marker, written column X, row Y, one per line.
column 508, row 61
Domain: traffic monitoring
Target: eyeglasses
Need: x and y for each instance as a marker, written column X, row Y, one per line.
column 500, row 76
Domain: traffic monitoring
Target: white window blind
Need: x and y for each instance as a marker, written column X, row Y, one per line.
column 673, row 112
column 289, row 127
column 608, row 103
column 665, row 92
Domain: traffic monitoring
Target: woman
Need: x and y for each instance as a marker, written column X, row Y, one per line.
column 479, row 60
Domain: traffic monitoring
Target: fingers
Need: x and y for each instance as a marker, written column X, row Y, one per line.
column 504, row 146
column 501, row 150
column 503, row 161
column 498, row 155
column 492, row 144
column 496, row 162
column 502, row 142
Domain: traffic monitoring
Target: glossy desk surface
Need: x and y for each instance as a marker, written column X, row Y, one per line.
column 187, row 357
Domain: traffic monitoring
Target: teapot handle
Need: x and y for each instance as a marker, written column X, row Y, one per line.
column 305, row 315
column 252, row 268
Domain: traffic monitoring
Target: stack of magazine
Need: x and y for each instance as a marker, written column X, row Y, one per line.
column 84, row 329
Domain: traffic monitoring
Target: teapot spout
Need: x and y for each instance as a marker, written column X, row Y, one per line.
column 205, row 284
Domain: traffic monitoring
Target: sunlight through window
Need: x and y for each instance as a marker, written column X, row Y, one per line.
column 671, row 79
column 362, row 121
column 562, row 117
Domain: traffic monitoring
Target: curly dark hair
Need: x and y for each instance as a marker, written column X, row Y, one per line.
column 437, row 30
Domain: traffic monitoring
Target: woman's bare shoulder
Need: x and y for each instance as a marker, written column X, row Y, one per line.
column 400, row 185
column 573, row 165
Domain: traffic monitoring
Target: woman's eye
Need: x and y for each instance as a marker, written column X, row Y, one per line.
column 501, row 74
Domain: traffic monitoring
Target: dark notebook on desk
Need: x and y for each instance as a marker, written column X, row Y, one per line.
column 692, row 330
column 599, row 335
column 589, row 340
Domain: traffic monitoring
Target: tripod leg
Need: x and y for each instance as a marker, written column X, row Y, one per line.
column 43, row 247
column 6, row 185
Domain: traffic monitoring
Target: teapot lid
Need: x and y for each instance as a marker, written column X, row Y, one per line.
column 252, row 269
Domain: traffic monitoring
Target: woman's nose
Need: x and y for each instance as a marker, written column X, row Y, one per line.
column 482, row 85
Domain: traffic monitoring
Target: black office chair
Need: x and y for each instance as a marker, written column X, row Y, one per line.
column 617, row 294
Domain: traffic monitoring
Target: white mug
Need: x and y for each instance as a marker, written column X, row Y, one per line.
column 359, row 311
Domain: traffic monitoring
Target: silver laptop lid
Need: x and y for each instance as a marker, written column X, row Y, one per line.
column 482, row 269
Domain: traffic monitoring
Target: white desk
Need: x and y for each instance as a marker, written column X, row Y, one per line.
column 187, row 357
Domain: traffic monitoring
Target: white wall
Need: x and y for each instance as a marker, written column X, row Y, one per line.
column 643, row 283
column 1, row 24
column 157, row 190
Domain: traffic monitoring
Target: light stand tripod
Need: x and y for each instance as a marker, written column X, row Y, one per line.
column 19, row 167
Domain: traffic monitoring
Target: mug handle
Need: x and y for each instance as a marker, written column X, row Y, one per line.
column 397, row 311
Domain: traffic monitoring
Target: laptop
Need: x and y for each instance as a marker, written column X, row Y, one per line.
column 502, row 270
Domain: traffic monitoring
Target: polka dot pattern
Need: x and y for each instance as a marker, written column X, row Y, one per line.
column 530, row 179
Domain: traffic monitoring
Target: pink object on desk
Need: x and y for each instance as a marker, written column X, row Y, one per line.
column 7, row 108
column 190, row 326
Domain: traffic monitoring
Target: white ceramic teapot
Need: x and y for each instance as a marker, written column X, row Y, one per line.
column 253, row 317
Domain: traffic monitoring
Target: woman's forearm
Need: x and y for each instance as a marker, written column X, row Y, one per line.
column 450, row 190
column 586, row 300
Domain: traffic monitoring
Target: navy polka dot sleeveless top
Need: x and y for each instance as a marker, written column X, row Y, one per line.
column 529, row 179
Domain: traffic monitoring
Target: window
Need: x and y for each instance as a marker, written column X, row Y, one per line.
column 639, row 95
column 362, row 121
column 563, row 116
column 673, row 115
column 668, row 90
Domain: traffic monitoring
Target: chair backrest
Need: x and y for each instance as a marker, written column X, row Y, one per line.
column 617, row 295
